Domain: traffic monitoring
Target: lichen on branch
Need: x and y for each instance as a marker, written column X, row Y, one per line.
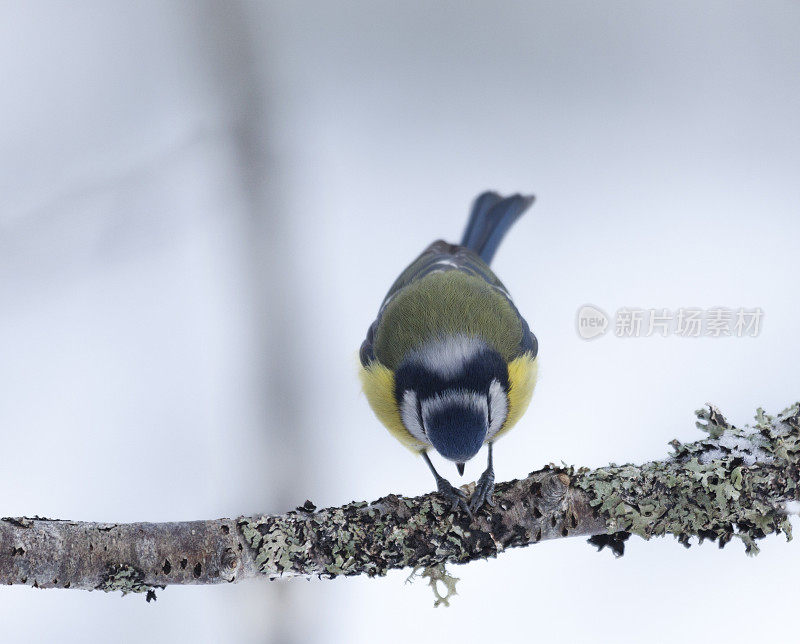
column 735, row 482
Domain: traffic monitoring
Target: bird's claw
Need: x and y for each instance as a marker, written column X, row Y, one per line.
column 484, row 489
column 453, row 494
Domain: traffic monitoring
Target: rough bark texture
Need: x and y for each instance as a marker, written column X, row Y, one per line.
column 736, row 482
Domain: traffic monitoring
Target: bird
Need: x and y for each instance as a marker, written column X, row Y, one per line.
column 450, row 364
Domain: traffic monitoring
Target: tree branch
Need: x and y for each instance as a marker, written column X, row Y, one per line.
column 736, row 482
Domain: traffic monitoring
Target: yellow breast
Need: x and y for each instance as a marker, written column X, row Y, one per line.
column 522, row 373
column 378, row 383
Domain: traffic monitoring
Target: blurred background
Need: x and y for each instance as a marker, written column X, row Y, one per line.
column 202, row 205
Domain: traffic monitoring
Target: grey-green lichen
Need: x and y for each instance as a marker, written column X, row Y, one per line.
column 437, row 575
column 734, row 483
column 127, row 579
column 398, row 532
column 358, row 538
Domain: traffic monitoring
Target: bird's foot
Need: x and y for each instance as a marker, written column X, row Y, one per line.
column 484, row 489
column 453, row 494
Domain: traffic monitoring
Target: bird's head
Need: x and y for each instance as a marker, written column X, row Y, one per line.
column 453, row 395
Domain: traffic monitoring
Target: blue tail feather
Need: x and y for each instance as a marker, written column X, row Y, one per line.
column 482, row 205
column 489, row 221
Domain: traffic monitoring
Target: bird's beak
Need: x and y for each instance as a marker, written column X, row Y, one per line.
column 460, row 468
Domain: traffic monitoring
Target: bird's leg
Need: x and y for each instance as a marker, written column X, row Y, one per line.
column 484, row 487
column 447, row 490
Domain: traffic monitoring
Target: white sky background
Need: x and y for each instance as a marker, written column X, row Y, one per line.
column 203, row 204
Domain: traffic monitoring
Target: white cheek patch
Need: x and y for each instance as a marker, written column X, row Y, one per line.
column 409, row 413
column 498, row 407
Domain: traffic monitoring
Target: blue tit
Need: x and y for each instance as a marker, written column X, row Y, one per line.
column 450, row 363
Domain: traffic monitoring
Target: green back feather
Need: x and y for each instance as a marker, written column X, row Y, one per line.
column 446, row 302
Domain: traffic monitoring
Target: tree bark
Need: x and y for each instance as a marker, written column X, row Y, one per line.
column 736, row 482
